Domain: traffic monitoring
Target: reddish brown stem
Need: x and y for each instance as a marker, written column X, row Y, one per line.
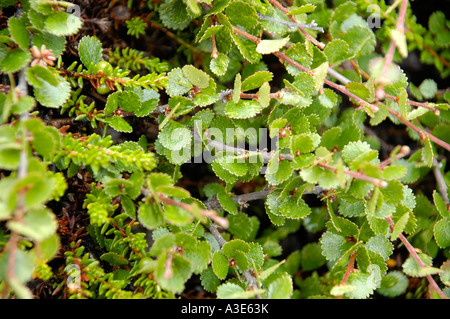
column 400, row 27
column 419, row 131
column 416, row 257
column 375, row 181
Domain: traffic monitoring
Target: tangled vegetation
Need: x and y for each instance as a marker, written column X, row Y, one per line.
column 224, row 149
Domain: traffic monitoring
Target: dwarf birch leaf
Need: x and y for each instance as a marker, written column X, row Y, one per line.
column 336, row 51
column 19, row 32
column 428, row 88
column 118, row 123
column 400, row 226
column 440, row 205
column 243, row 109
column 90, row 50
column 271, row 46
column 281, row 288
column 177, row 83
column 300, row 54
column 175, row 136
column 195, row 76
column 14, row 60
column 441, row 232
column 255, row 80
column 219, row 65
column 219, row 265
column 62, row 23
column 53, row 95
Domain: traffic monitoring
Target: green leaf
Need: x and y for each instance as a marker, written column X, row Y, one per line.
column 209, row 32
column 320, row 73
column 177, row 83
column 380, row 245
column 220, row 265
column 243, row 109
column 331, row 245
column 255, row 80
column 278, row 170
column 175, row 136
column 441, row 232
column 427, row 152
column 400, row 226
column 219, row 65
column 19, row 32
column 440, row 205
column 118, row 123
column 227, row 202
column 62, row 23
column 232, row 164
column 174, row 14
column 177, row 215
column 361, row 40
column 281, row 288
column 90, row 50
column 311, row 257
column 38, row 224
column 52, row 95
column 365, row 283
column 173, row 277
column 234, row 245
column 209, row 280
column 244, row 15
column 337, row 52
column 300, row 54
column 52, row 42
column 428, row 88
column 150, row 216
column 23, row 266
column 114, row 259
column 233, row 291
column 197, row 77
column 271, row 46
column 14, row 60
column 393, row 284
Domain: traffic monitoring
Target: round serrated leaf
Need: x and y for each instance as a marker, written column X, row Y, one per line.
column 220, row 265
column 393, row 284
column 118, row 123
column 442, row 233
column 219, row 65
column 38, row 224
column 19, row 32
column 90, row 50
column 53, row 95
column 62, row 23
column 197, row 77
column 281, row 288
column 175, row 136
column 14, row 60
column 271, row 46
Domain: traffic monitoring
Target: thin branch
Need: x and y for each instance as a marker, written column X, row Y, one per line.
column 306, row 34
column 373, row 180
column 399, row 27
column 416, row 257
column 419, row 131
